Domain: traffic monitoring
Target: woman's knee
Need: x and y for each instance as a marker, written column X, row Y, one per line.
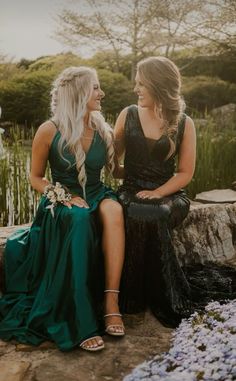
column 179, row 211
column 149, row 212
column 76, row 215
column 164, row 211
column 111, row 210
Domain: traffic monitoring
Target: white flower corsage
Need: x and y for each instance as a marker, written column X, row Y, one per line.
column 56, row 194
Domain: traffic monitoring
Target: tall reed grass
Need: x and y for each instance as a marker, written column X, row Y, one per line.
column 215, row 168
column 17, row 200
column 215, row 164
column 18, row 133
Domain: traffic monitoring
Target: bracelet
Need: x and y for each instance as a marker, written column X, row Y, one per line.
column 57, row 193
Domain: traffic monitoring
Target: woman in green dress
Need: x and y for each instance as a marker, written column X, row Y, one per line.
column 56, row 270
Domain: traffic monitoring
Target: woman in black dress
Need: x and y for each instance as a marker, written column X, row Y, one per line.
column 152, row 135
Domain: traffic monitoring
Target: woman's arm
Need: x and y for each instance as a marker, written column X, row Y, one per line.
column 186, row 166
column 40, row 150
column 119, row 133
column 118, row 171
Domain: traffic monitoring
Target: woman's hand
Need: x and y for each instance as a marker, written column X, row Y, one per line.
column 77, row 201
column 149, row 194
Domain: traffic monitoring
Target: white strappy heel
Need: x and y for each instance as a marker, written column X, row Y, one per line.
column 114, row 329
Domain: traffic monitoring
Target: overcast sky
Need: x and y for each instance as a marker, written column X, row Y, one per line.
column 26, row 28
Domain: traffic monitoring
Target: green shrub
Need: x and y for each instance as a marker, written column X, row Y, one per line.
column 205, row 93
column 118, row 92
column 222, row 66
column 56, row 63
column 25, row 98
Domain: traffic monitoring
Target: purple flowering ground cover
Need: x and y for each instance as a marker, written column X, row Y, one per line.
column 203, row 348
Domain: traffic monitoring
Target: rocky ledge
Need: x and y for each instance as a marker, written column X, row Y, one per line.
column 207, row 234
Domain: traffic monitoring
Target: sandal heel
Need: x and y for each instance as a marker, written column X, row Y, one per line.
column 114, row 329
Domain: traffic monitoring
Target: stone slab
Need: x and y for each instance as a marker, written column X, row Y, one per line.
column 145, row 338
column 206, row 235
column 30, row 348
column 217, row 196
column 13, row 370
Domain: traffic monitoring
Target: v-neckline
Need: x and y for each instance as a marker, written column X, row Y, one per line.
column 91, row 144
column 149, row 153
column 141, row 128
column 90, row 147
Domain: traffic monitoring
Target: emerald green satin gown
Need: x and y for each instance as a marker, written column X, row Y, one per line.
column 54, row 270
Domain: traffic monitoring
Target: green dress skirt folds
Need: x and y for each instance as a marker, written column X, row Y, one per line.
column 54, row 275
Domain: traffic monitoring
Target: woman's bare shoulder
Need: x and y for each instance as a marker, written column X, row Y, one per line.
column 46, row 131
column 124, row 112
column 189, row 128
column 189, row 131
column 47, row 128
column 189, row 123
column 44, row 135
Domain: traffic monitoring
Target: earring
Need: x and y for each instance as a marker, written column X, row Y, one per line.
column 160, row 111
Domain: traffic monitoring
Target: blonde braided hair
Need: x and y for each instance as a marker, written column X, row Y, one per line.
column 70, row 94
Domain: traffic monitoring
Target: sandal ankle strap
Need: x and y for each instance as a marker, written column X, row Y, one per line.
column 114, row 314
column 116, row 291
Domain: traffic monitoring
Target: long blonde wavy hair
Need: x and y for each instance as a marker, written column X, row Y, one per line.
column 70, row 94
column 162, row 79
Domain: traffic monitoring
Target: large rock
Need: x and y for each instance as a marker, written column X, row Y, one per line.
column 207, row 234
column 225, row 116
column 217, row 196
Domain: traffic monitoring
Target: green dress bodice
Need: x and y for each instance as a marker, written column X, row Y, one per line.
column 66, row 173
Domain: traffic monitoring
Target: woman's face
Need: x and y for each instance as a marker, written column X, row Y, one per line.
column 94, row 102
column 144, row 97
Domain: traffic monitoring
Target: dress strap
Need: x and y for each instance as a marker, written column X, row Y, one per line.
column 54, row 124
column 131, row 118
column 133, row 110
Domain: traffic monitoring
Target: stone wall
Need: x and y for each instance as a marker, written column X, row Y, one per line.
column 207, row 234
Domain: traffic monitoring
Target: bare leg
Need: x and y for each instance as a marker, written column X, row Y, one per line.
column 113, row 242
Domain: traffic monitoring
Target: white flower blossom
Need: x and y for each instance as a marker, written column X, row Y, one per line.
column 203, row 348
column 56, row 194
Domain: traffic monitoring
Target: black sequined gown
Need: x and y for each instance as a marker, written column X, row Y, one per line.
column 152, row 276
